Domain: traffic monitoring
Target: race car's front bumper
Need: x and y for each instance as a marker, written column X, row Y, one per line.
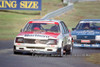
column 37, row 50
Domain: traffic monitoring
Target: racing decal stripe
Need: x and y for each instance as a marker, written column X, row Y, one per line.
column 55, row 35
column 48, row 22
column 18, row 44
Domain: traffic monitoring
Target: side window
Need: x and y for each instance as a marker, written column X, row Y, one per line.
column 65, row 29
column 62, row 28
column 25, row 28
column 28, row 27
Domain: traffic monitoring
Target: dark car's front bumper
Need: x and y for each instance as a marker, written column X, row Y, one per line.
column 93, row 43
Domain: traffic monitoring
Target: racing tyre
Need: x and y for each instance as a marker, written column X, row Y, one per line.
column 68, row 49
column 60, row 52
column 14, row 50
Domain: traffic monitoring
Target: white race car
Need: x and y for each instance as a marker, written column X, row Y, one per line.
column 44, row 37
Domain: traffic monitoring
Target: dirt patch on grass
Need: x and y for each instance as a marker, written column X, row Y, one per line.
column 94, row 58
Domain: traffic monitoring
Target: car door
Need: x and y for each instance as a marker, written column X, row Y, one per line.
column 65, row 33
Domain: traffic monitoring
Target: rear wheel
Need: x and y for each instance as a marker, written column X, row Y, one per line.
column 68, row 49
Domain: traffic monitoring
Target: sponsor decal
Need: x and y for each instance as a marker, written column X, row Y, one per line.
column 95, row 45
column 52, row 46
column 77, row 45
column 85, row 32
column 36, row 35
column 47, row 22
column 86, row 45
column 44, row 34
column 89, row 21
column 97, row 32
column 85, row 41
column 21, row 4
column 18, row 44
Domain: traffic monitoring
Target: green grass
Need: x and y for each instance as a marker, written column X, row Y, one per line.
column 11, row 21
column 94, row 58
column 82, row 10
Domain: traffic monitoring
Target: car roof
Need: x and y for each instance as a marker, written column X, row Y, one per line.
column 90, row 20
column 46, row 20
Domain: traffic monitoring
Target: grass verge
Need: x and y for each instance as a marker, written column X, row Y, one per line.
column 94, row 58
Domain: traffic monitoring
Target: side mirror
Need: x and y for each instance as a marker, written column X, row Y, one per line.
column 69, row 30
column 21, row 30
column 73, row 28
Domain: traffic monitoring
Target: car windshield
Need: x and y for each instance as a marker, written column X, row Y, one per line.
column 47, row 27
column 88, row 25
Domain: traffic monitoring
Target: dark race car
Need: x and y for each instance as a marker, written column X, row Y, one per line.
column 87, row 33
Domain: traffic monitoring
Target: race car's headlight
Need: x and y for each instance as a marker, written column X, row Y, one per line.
column 52, row 42
column 97, row 37
column 19, row 40
column 74, row 36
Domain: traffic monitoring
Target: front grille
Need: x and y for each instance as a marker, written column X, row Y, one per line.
column 32, row 41
column 36, row 47
column 35, row 41
column 86, row 37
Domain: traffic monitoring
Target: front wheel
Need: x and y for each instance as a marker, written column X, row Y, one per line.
column 14, row 50
column 60, row 52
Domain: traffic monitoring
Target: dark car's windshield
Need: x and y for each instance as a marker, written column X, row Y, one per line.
column 88, row 25
column 49, row 27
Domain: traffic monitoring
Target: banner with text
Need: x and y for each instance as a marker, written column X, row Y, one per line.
column 20, row 5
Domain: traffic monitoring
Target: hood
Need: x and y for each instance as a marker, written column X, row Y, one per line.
column 38, row 35
column 85, row 32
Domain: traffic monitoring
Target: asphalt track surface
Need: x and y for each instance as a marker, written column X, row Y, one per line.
column 77, row 59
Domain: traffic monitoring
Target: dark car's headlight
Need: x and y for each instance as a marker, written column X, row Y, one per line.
column 19, row 40
column 74, row 36
column 52, row 42
column 97, row 37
